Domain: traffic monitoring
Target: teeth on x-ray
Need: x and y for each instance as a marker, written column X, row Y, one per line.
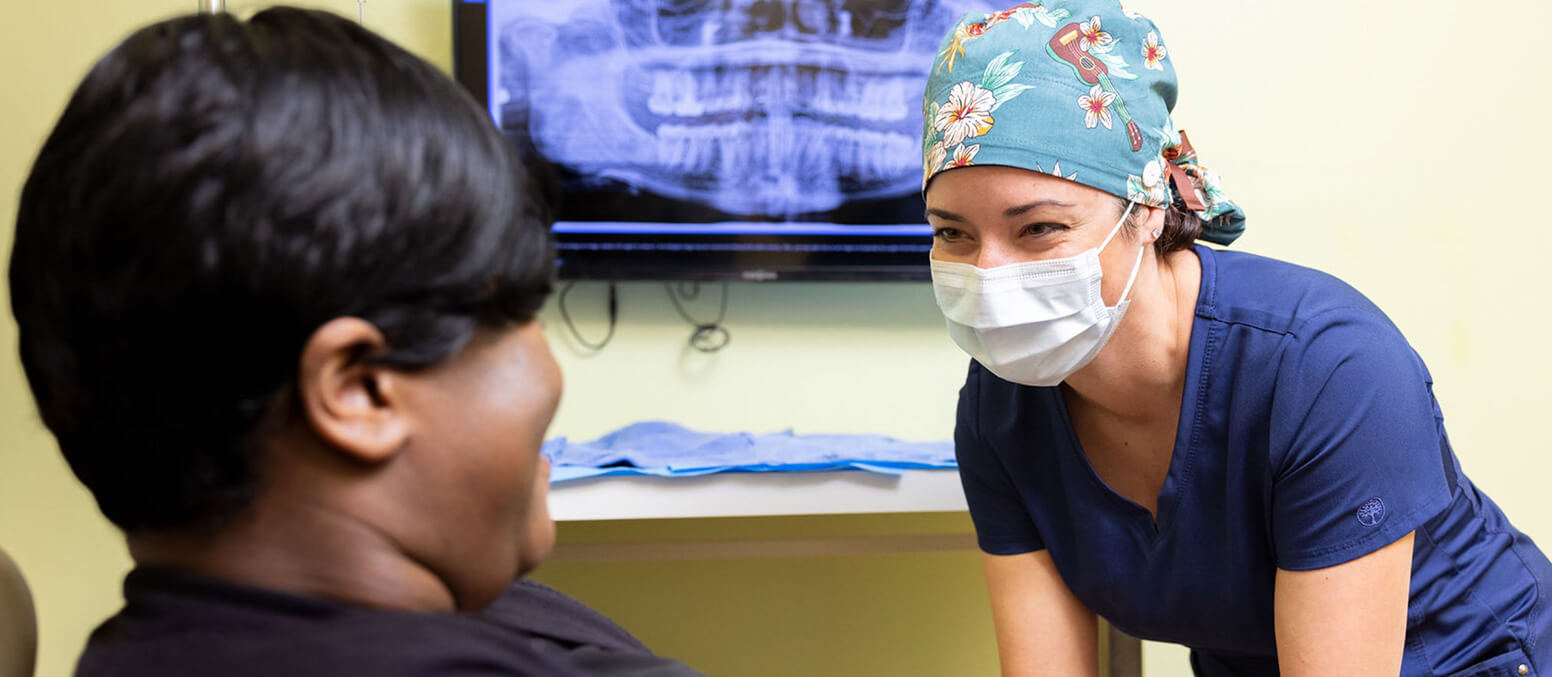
column 768, row 108
column 683, row 93
column 780, row 169
column 720, row 149
column 706, row 22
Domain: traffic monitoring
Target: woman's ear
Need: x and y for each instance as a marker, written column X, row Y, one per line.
column 1153, row 224
column 353, row 405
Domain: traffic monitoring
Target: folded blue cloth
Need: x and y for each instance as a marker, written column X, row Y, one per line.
column 671, row 450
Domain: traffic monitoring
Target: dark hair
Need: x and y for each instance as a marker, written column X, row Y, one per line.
column 1181, row 226
column 214, row 192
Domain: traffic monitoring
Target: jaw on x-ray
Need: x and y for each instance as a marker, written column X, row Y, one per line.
column 762, row 110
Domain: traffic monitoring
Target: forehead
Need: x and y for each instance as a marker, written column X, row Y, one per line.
column 996, row 186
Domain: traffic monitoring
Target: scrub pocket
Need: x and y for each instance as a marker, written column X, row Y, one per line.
column 1502, row 665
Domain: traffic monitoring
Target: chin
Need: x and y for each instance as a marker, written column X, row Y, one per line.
column 526, row 567
column 527, row 561
column 536, row 547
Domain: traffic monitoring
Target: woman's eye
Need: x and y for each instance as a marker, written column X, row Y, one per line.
column 948, row 234
column 1038, row 229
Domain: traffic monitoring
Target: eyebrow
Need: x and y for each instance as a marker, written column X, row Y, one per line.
column 1006, row 213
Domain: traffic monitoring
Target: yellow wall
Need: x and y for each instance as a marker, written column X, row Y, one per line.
column 71, row 555
column 1399, row 145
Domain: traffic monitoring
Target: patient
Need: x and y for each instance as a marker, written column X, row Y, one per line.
column 276, row 283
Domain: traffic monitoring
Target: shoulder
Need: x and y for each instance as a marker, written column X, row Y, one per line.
column 462, row 644
column 174, row 621
column 1276, row 296
column 1307, row 321
column 532, row 607
column 466, row 644
column 330, row 642
column 391, row 643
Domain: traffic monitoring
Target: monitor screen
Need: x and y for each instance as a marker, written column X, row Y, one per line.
column 717, row 139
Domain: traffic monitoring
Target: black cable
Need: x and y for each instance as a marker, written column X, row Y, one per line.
column 708, row 337
column 613, row 314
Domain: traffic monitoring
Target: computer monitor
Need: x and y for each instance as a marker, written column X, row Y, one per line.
column 717, row 139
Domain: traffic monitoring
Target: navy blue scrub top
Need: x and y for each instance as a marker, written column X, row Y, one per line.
column 1309, row 436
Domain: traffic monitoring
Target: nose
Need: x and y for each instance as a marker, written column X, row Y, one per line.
column 994, row 252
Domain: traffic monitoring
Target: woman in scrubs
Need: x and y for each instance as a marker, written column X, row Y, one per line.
column 1210, row 448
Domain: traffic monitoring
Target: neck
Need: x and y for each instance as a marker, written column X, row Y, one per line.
column 1140, row 374
column 288, row 543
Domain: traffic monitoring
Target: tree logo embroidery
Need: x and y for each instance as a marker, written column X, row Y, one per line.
column 1372, row 512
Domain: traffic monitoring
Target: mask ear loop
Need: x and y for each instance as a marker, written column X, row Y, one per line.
column 1117, row 228
column 1137, row 266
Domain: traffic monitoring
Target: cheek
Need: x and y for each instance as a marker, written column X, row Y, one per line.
column 506, row 412
column 542, row 376
column 1118, row 261
column 520, row 408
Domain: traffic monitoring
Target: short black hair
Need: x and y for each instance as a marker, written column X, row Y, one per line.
column 214, row 192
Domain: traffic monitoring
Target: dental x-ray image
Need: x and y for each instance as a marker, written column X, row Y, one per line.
column 767, row 113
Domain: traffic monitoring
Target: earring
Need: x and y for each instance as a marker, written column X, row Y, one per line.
column 1157, row 232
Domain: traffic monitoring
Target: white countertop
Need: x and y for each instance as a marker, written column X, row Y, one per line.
column 755, row 494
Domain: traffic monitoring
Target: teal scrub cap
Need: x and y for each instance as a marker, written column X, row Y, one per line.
column 1079, row 89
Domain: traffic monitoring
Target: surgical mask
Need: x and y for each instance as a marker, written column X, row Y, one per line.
column 1032, row 322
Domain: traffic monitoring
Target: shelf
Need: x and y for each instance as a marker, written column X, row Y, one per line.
column 756, row 494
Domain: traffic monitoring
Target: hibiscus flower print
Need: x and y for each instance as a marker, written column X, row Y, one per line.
column 1092, row 36
column 963, row 156
column 1153, row 53
column 1096, row 107
column 968, row 113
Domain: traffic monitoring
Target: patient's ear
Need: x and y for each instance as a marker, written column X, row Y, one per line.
column 352, row 404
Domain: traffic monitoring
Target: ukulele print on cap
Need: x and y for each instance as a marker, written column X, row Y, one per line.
column 1089, row 51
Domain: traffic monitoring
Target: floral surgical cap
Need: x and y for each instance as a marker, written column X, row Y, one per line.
column 1079, row 89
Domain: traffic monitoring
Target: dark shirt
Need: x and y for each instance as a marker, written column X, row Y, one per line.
column 175, row 623
column 537, row 609
column 1308, row 437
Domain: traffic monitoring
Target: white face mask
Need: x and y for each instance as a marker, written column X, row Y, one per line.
column 1033, row 322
